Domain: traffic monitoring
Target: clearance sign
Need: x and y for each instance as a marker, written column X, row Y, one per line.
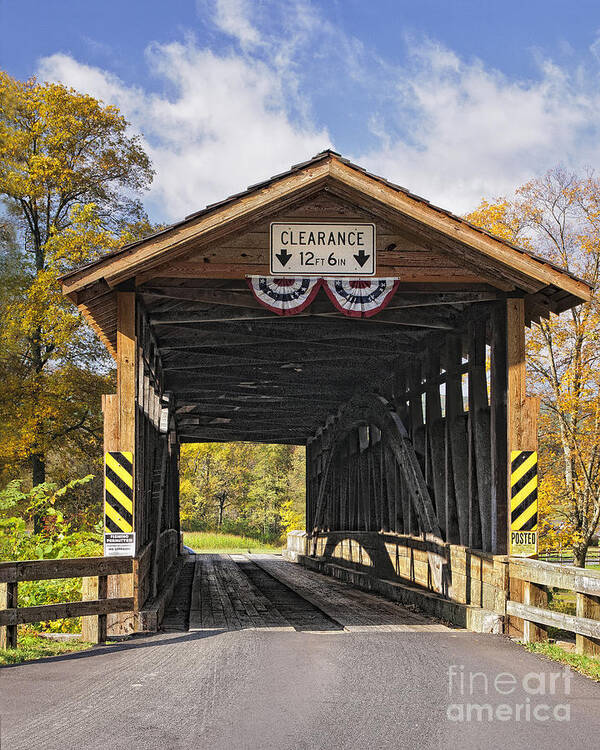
column 305, row 249
column 523, row 503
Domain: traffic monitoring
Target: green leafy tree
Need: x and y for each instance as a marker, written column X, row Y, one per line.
column 242, row 487
column 70, row 174
column 56, row 538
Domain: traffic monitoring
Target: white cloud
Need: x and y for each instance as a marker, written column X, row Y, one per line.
column 449, row 129
column 233, row 18
column 224, row 126
column 472, row 132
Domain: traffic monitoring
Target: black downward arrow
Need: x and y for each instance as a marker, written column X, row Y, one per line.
column 283, row 256
column 362, row 258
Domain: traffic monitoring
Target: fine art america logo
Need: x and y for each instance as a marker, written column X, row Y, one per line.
column 537, row 696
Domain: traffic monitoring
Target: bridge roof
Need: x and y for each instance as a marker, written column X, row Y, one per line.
column 238, row 371
column 127, row 261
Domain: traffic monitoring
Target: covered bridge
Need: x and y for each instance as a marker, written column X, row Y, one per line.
column 399, row 362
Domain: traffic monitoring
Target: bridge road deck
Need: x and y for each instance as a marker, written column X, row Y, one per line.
column 262, row 677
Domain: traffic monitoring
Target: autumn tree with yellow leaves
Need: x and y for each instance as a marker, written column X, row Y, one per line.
column 70, row 177
column 558, row 216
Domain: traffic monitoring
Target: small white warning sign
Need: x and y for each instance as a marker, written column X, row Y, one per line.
column 119, row 545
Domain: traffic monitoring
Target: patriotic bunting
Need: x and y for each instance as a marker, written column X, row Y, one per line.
column 284, row 296
column 360, row 298
column 357, row 298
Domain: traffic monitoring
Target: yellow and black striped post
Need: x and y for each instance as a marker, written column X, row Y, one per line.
column 119, row 536
column 523, row 503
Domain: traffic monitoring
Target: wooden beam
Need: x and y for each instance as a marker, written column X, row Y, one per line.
column 515, row 337
column 498, row 430
column 212, row 224
column 435, row 433
column 457, row 435
column 67, row 609
column 458, row 230
column 480, row 530
column 8, row 601
column 126, row 369
column 244, row 298
column 127, row 359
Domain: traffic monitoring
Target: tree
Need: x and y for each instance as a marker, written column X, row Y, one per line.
column 558, row 216
column 215, row 477
column 70, row 172
column 243, row 487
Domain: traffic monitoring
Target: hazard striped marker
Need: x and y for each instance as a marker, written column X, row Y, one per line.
column 523, row 503
column 119, row 537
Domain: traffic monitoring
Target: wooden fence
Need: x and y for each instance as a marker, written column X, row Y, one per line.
column 528, row 610
column 12, row 573
column 565, row 557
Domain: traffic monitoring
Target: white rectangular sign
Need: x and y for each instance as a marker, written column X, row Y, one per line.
column 119, row 545
column 323, row 249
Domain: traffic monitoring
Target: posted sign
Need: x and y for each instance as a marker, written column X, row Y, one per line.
column 523, row 503
column 323, row 249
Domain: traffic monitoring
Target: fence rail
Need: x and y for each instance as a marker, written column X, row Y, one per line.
column 565, row 557
column 529, row 581
column 12, row 573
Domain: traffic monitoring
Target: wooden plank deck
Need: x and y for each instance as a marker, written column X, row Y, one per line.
column 239, row 592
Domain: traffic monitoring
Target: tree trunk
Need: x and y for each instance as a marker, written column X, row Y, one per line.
column 38, row 459
column 579, row 554
column 222, row 502
column 38, row 469
column 38, row 476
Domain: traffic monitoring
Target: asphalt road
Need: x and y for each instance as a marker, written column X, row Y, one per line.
column 298, row 690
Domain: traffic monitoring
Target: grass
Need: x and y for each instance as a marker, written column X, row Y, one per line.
column 588, row 665
column 33, row 646
column 208, row 541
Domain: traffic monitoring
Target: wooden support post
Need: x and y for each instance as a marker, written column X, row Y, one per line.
column 8, row 600
column 480, row 528
column 522, row 411
column 587, row 606
column 307, row 485
column 535, row 596
column 159, row 513
column 126, row 369
column 435, row 435
column 346, row 507
column 89, row 623
column 363, row 480
column 102, row 629
column 498, row 431
column 352, row 525
column 457, row 433
column 515, row 352
column 373, row 495
column 416, row 427
column 119, row 428
column 89, row 591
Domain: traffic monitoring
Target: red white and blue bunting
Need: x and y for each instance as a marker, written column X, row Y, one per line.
column 356, row 298
column 360, row 298
column 284, row 296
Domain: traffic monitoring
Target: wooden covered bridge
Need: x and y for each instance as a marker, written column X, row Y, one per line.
column 329, row 308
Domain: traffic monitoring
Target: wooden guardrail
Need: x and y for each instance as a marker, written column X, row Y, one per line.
column 12, row 573
column 529, row 581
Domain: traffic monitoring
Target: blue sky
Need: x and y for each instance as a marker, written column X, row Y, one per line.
column 456, row 100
